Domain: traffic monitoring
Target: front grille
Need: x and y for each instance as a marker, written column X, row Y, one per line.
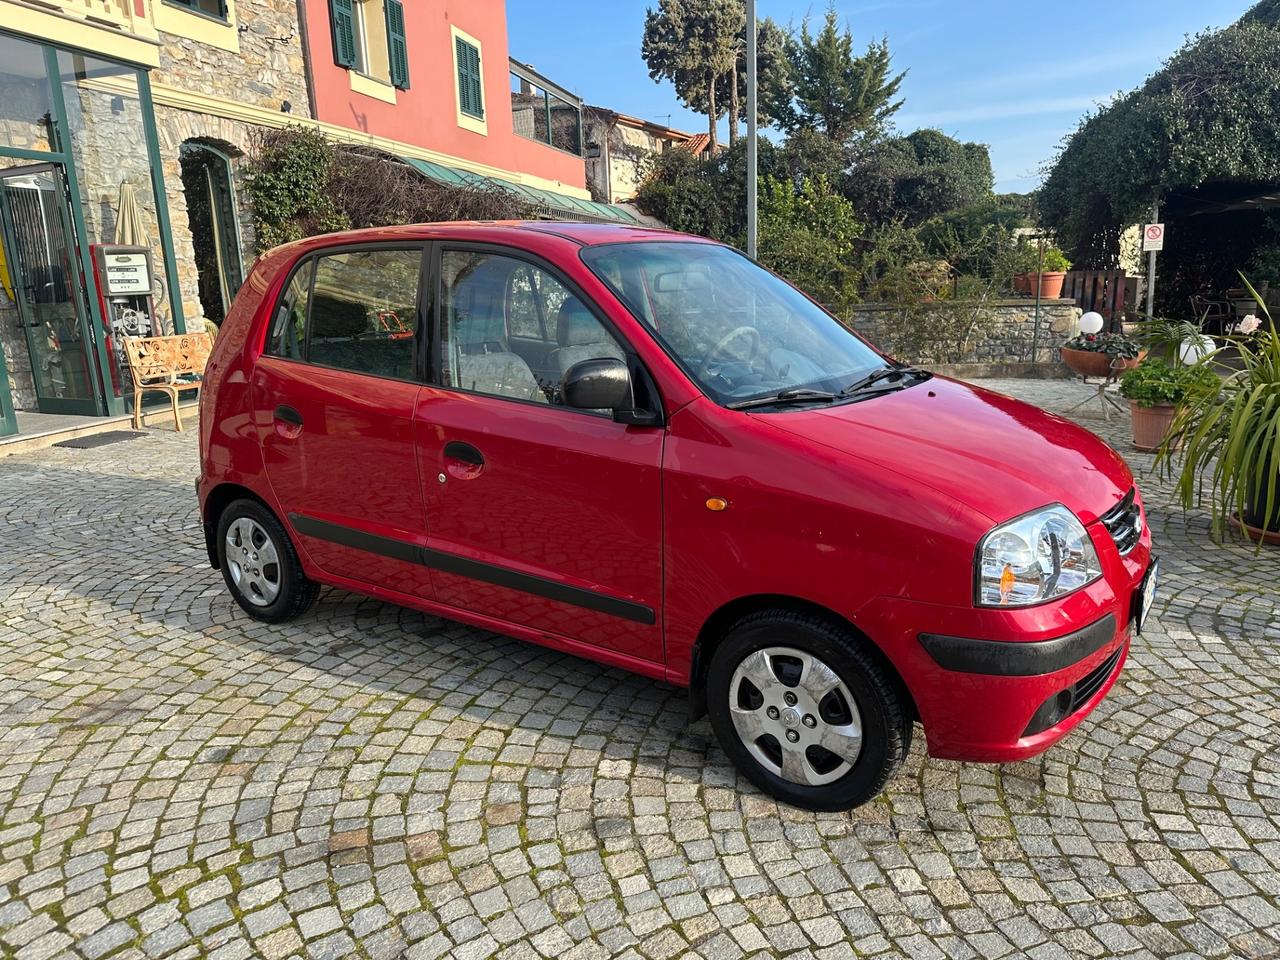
column 1124, row 522
column 1092, row 682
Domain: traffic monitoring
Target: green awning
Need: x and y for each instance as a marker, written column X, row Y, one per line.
column 548, row 203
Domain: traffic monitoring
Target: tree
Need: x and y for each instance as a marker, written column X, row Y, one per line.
column 837, row 92
column 693, row 44
column 773, row 78
column 1209, row 117
column 922, row 175
column 809, row 235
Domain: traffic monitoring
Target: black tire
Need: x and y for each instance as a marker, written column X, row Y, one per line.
column 296, row 592
column 877, row 694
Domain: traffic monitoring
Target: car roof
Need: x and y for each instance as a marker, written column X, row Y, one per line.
column 514, row 232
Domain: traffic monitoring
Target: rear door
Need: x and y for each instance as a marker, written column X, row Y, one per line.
column 334, row 398
column 538, row 514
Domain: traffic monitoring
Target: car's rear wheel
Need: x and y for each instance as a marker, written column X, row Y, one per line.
column 260, row 564
column 805, row 711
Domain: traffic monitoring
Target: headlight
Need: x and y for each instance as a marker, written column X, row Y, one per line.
column 1034, row 558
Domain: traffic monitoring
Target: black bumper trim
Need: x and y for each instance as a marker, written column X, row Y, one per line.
column 998, row 658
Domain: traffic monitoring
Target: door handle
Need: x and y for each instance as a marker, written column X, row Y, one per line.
column 463, row 453
column 288, row 415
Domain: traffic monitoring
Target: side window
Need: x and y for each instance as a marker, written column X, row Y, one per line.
column 288, row 333
column 364, row 311
column 480, row 291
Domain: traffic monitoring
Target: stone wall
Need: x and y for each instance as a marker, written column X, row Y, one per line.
column 1004, row 333
column 267, row 71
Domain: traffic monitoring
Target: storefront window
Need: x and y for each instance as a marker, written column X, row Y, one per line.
column 108, row 143
column 26, row 102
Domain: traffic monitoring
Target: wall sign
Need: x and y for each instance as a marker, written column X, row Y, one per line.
column 128, row 274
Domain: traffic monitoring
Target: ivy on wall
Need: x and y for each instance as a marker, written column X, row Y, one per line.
column 300, row 184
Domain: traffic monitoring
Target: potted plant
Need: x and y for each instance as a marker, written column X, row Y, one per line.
column 1052, row 274
column 1230, row 430
column 1155, row 390
column 1101, row 354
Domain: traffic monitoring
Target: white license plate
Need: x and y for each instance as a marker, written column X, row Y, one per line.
column 1147, row 593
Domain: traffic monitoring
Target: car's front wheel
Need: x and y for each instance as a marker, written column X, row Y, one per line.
column 805, row 711
column 260, row 564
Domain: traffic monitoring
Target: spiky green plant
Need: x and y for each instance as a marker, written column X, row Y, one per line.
column 1230, row 431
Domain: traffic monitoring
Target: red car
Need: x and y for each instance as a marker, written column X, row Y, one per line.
column 643, row 448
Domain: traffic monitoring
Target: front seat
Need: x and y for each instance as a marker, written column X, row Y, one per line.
column 581, row 337
column 489, row 366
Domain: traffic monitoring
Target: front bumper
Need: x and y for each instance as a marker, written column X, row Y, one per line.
column 999, row 685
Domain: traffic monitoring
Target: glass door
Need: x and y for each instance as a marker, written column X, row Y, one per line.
column 40, row 250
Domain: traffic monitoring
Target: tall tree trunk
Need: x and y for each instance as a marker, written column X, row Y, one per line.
column 733, row 103
column 711, row 111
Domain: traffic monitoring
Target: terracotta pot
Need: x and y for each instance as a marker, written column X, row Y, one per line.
column 1151, row 424
column 1090, row 363
column 1021, row 283
column 1256, row 533
column 1050, row 284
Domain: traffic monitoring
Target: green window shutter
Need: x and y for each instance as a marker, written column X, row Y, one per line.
column 343, row 19
column 470, row 87
column 397, row 47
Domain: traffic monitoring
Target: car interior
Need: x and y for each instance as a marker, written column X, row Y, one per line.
column 513, row 330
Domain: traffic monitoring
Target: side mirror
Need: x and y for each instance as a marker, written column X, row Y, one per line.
column 602, row 383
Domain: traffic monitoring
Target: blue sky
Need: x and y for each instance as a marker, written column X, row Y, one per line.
column 1016, row 76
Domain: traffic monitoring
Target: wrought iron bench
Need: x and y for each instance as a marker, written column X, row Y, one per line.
column 167, row 365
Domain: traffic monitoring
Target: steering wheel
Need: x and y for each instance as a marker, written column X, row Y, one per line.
column 743, row 331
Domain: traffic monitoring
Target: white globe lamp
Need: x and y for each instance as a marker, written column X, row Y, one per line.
column 1194, row 349
column 1091, row 322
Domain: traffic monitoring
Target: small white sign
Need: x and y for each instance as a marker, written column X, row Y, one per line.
column 1152, row 237
column 127, row 274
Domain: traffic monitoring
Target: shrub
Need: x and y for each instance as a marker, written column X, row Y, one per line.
column 1112, row 344
column 808, row 236
column 1154, row 382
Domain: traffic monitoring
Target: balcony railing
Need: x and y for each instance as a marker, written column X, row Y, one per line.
column 126, row 16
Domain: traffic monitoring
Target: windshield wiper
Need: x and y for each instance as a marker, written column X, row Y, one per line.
column 794, row 395
column 877, row 376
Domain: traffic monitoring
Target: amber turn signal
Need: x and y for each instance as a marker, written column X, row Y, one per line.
column 716, row 504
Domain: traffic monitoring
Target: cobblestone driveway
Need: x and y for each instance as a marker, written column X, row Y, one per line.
column 176, row 780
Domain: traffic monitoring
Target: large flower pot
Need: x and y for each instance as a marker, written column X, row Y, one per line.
column 1050, row 284
column 1091, row 363
column 1255, row 509
column 1022, row 283
column 1151, row 424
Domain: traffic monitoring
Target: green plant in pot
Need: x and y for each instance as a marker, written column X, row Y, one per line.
column 1101, row 354
column 1230, row 437
column 1046, row 273
column 1155, row 389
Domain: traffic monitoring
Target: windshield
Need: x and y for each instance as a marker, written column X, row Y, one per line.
column 738, row 330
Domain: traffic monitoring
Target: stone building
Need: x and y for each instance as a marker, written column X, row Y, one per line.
column 617, row 148
column 125, row 127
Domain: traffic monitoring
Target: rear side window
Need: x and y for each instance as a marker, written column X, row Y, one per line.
column 363, row 312
column 289, row 332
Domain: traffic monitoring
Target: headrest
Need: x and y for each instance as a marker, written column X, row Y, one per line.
column 575, row 324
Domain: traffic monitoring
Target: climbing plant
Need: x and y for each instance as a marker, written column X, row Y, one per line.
column 1209, row 116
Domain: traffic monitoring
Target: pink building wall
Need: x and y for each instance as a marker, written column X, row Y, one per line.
column 425, row 114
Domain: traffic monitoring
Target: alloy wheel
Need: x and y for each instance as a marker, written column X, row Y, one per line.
column 795, row 716
column 253, row 561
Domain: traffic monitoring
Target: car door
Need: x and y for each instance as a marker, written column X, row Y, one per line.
column 334, row 398
column 538, row 514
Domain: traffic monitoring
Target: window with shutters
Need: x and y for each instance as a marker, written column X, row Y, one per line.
column 470, row 85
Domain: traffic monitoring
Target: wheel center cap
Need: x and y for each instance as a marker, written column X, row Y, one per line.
column 791, row 716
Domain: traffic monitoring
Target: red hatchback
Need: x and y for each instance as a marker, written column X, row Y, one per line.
column 643, row 448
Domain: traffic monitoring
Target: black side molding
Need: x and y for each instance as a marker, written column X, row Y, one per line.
column 475, row 569
column 997, row 658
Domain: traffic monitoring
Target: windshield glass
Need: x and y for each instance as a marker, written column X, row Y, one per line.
column 738, row 330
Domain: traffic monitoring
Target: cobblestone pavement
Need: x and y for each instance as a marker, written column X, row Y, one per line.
column 178, row 781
